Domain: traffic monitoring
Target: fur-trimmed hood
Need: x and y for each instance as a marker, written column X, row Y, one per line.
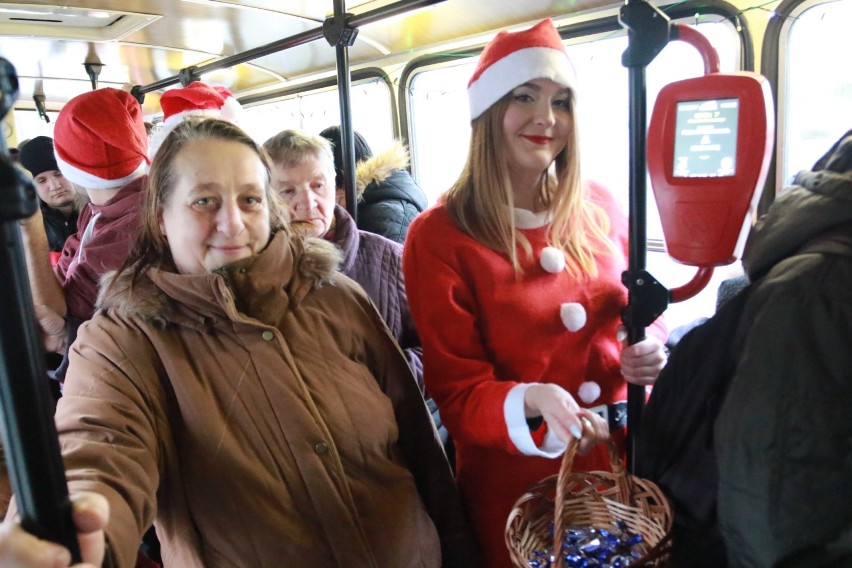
column 379, row 168
column 384, row 181
column 817, row 201
column 158, row 296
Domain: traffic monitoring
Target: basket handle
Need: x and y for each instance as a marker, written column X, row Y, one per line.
column 622, row 480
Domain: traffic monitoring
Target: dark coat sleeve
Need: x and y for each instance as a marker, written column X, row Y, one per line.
column 782, row 436
column 110, row 421
column 389, row 206
column 389, row 219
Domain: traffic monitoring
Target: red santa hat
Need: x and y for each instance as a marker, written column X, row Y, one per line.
column 100, row 140
column 196, row 99
column 512, row 59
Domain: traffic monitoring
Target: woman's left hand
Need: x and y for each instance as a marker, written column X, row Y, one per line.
column 643, row 361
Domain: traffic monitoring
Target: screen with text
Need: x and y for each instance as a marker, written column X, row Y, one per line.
column 706, row 138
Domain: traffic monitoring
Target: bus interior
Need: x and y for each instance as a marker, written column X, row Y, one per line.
column 406, row 70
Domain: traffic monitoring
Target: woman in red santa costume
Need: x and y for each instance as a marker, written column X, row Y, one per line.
column 514, row 282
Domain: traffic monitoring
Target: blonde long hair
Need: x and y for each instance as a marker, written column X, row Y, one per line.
column 481, row 201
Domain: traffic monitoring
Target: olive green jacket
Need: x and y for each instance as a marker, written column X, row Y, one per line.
column 784, row 434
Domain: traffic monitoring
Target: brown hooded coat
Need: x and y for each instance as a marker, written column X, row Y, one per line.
column 262, row 416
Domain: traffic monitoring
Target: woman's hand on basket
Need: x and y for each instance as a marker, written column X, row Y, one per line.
column 564, row 417
column 595, row 431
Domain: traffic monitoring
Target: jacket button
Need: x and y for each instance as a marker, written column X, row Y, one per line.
column 321, row 448
column 268, row 335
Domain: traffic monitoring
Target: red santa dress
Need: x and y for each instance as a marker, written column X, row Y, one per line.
column 488, row 333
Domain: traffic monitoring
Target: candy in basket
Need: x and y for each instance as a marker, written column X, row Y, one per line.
column 596, row 519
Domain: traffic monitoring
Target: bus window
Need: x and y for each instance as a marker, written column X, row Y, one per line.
column 603, row 101
column 371, row 114
column 439, row 120
column 817, row 92
column 28, row 124
column 440, row 131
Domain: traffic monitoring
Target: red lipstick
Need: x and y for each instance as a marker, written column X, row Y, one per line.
column 538, row 139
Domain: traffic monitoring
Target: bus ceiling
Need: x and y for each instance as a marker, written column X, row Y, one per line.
column 235, row 43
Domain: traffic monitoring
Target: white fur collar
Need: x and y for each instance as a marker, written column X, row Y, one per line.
column 526, row 219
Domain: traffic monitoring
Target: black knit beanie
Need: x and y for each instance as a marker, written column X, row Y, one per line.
column 37, row 155
column 362, row 150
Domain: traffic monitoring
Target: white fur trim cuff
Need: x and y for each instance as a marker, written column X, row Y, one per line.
column 519, row 431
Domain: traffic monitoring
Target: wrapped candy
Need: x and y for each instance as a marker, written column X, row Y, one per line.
column 590, row 547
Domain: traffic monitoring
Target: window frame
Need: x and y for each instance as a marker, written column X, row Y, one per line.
column 590, row 30
column 775, row 66
column 357, row 78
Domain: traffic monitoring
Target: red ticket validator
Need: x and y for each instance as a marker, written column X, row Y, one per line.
column 709, row 145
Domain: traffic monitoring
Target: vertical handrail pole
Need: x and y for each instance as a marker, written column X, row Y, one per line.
column 637, row 260
column 341, row 36
column 30, row 443
column 647, row 34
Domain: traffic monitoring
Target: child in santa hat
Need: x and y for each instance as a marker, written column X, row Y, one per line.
column 514, row 282
column 100, row 144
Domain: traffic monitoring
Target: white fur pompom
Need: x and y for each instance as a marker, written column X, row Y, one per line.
column 573, row 316
column 552, row 260
column 589, row 392
column 231, row 110
column 157, row 137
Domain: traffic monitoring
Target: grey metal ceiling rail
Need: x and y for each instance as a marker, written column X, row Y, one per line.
column 189, row 74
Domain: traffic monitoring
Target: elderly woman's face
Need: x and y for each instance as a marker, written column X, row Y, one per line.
column 217, row 212
column 309, row 191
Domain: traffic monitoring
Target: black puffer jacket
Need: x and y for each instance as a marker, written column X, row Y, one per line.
column 389, row 196
column 784, row 435
column 57, row 226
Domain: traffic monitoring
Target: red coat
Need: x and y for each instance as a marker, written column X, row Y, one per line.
column 484, row 331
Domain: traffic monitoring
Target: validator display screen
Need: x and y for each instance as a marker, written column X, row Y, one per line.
column 706, row 138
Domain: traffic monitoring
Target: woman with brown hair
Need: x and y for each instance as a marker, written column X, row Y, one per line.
column 241, row 394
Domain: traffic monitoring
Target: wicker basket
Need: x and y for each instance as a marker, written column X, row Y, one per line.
column 591, row 499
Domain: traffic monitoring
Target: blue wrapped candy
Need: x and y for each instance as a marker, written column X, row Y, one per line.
column 590, row 547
